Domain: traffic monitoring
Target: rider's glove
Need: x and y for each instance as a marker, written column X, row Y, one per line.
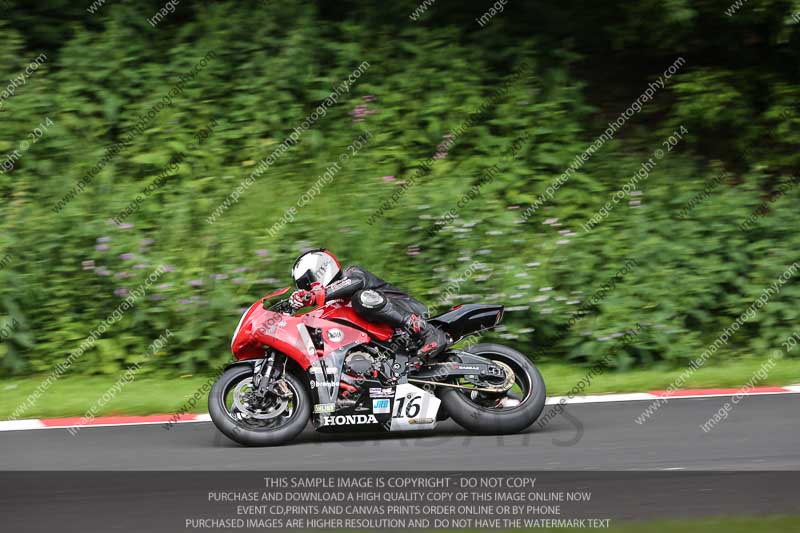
column 317, row 293
column 300, row 298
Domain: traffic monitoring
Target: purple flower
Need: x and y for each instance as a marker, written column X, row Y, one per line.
column 219, row 276
column 140, row 266
column 241, row 269
column 104, row 239
column 360, row 111
column 88, row 265
column 123, row 275
column 413, row 250
column 102, row 271
column 196, row 283
column 126, row 225
column 261, row 253
column 126, row 256
column 368, row 98
column 122, row 292
column 156, row 297
column 169, row 268
column 388, row 179
column 184, row 301
column 146, row 242
column 101, row 247
column 237, row 281
column 164, row 286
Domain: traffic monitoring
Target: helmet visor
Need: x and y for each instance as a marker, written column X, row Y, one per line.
column 314, row 266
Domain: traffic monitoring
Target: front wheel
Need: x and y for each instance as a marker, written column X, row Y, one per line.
column 242, row 417
column 498, row 414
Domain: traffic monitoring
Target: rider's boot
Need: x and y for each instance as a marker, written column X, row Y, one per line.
column 430, row 339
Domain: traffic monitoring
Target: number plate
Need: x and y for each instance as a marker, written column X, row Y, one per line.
column 413, row 408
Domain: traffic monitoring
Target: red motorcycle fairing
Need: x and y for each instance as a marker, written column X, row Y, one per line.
column 289, row 334
column 243, row 344
column 292, row 336
column 340, row 311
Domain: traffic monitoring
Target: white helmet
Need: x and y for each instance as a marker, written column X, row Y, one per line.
column 315, row 266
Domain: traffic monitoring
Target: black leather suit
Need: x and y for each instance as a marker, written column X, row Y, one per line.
column 378, row 301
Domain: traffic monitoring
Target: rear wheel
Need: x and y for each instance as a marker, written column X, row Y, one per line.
column 491, row 413
column 242, row 417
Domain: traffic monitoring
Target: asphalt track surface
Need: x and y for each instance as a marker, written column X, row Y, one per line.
column 665, row 468
column 761, row 433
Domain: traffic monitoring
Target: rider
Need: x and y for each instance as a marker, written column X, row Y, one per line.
column 371, row 297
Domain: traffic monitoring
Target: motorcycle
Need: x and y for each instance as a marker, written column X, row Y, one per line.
column 346, row 374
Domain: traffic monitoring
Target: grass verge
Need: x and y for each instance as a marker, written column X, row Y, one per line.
column 74, row 396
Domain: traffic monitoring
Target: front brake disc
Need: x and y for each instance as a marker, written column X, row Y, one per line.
column 241, row 402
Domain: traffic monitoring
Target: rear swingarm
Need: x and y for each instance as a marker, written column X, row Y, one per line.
column 469, row 366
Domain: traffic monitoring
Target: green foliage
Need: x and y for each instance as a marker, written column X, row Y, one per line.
column 273, row 64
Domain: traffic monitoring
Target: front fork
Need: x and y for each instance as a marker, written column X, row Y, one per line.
column 267, row 373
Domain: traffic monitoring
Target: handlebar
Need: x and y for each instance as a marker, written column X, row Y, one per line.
column 284, row 306
column 281, row 306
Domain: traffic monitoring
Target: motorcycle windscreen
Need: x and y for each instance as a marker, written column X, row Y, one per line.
column 278, row 292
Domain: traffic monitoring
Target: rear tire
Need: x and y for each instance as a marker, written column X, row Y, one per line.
column 493, row 421
column 239, row 432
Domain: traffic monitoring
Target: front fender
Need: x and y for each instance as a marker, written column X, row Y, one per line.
column 291, row 365
column 244, row 362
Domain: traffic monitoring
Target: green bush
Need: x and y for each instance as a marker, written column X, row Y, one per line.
column 271, row 65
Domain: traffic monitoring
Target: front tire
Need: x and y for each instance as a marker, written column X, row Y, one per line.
column 470, row 409
column 236, row 426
